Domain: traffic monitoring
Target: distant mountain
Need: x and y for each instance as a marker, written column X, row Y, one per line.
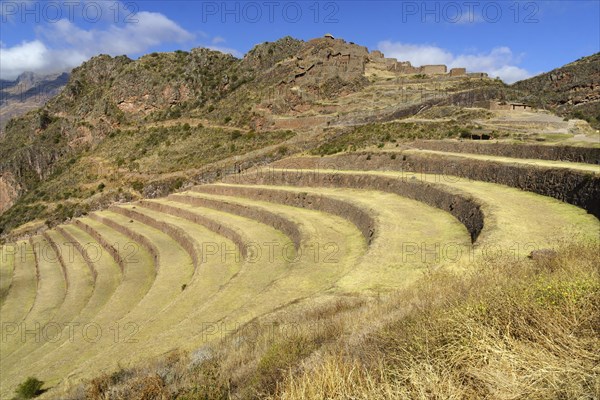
column 572, row 90
column 29, row 91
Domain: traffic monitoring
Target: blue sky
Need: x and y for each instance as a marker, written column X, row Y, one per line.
column 510, row 39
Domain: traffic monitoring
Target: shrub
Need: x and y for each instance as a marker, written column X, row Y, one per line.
column 282, row 150
column 101, row 186
column 137, row 186
column 235, row 135
column 465, row 133
column 32, row 387
column 227, row 120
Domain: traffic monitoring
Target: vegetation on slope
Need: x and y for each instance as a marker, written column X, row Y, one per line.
column 570, row 91
column 362, row 136
column 505, row 329
column 128, row 164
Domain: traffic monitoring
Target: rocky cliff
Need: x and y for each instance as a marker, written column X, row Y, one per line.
column 572, row 90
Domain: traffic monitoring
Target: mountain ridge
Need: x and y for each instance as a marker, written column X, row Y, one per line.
column 149, row 104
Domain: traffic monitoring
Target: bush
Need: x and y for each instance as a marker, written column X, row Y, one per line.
column 465, row 134
column 282, row 150
column 137, row 186
column 32, row 387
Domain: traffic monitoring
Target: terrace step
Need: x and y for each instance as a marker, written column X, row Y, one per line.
column 398, row 225
column 579, row 186
column 79, row 289
column 262, row 286
column 23, row 286
column 138, row 271
column 509, row 220
column 589, row 155
column 241, row 282
column 533, row 162
column 51, row 292
column 7, row 266
column 456, row 202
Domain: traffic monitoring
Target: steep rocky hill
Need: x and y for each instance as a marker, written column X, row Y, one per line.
column 124, row 129
column 572, row 90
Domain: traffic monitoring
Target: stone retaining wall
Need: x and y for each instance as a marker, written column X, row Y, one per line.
column 589, row 155
column 359, row 217
column 464, row 208
column 289, row 228
column 578, row 188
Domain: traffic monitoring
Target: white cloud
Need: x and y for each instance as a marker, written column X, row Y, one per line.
column 218, row 39
column 499, row 62
column 226, row 50
column 65, row 45
column 35, row 56
column 415, row 53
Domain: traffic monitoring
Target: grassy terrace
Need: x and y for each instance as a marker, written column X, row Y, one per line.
column 173, row 269
column 23, row 286
column 79, row 289
column 402, row 226
column 107, row 272
column 7, row 266
column 509, row 160
column 223, row 282
column 263, row 283
column 511, row 216
column 292, row 246
column 138, row 275
column 51, row 292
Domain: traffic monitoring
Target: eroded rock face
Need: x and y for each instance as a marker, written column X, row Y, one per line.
column 574, row 87
column 9, row 191
column 322, row 68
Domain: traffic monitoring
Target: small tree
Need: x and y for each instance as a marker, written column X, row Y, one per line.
column 30, row 388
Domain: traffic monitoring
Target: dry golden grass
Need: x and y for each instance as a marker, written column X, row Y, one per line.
column 7, row 266
column 506, row 329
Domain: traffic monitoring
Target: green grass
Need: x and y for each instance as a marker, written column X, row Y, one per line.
column 175, row 148
column 363, row 136
column 139, row 275
column 108, row 273
column 51, row 291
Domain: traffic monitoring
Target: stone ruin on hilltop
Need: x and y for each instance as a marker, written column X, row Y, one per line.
column 328, row 56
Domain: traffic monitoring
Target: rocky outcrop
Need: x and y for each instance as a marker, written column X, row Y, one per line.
column 572, row 90
column 9, row 191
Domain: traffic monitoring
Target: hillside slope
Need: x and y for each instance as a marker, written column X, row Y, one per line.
column 124, row 129
column 572, row 90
